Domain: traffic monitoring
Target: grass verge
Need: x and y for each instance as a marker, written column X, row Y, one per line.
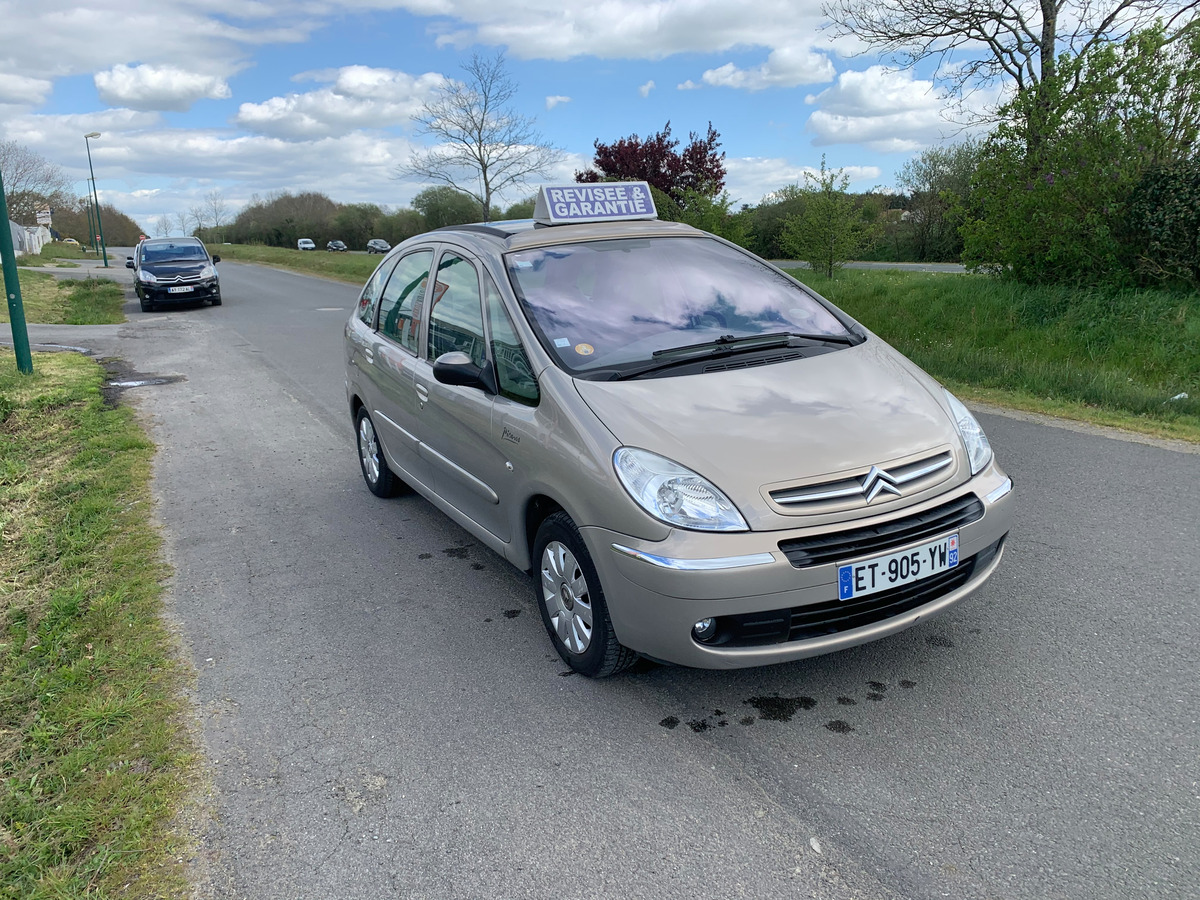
column 93, row 736
column 1107, row 357
column 88, row 301
column 354, row 268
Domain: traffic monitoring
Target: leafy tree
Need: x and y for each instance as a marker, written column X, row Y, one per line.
column 698, row 168
column 1015, row 42
column 713, row 214
column 1057, row 208
column 442, row 206
column 31, row 182
column 400, row 225
column 1164, row 221
column 938, row 181
column 357, row 223
column 484, row 146
column 765, row 221
column 522, row 209
column 831, row 229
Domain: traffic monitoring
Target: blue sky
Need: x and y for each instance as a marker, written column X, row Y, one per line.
column 252, row 96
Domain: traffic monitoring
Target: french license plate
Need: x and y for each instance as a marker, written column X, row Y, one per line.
column 181, row 289
column 882, row 573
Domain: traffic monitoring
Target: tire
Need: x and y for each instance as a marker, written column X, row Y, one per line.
column 216, row 301
column 571, row 600
column 147, row 306
column 377, row 475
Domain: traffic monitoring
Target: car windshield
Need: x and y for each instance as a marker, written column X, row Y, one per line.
column 155, row 253
column 618, row 305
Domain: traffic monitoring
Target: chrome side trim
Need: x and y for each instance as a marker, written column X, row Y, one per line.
column 479, row 487
column 1000, row 491
column 697, row 565
column 407, row 434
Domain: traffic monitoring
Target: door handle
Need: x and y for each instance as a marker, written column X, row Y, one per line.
column 422, row 393
column 370, row 355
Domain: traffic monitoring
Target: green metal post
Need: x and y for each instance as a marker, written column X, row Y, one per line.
column 12, row 288
column 91, row 235
column 99, row 224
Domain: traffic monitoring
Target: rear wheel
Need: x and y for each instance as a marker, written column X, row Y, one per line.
column 572, row 602
column 376, row 473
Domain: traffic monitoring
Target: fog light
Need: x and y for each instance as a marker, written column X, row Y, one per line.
column 705, row 629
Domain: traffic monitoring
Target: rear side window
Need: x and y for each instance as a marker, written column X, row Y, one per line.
column 400, row 305
column 455, row 317
column 369, row 300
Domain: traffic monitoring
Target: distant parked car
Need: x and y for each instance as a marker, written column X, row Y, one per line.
column 305, row 244
column 71, row 241
column 378, row 245
column 336, row 246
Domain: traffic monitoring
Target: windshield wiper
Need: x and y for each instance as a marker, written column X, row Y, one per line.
column 726, row 345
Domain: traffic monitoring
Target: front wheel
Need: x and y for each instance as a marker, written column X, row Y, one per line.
column 376, row 473
column 572, row 602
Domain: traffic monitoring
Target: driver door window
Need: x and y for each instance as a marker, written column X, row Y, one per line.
column 455, row 314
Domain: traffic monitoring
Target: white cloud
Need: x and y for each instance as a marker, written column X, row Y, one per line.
column 646, row 88
column 688, row 85
column 151, row 87
column 750, row 179
column 882, row 109
column 554, row 101
column 359, row 97
column 785, row 68
column 23, row 90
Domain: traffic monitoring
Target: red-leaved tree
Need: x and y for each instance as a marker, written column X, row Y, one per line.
column 655, row 159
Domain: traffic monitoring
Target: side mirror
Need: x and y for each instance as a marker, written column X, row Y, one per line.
column 456, row 368
column 216, row 259
column 129, row 263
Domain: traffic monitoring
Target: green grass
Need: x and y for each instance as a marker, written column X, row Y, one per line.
column 48, row 301
column 95, row 754
column 55, row 250
column 1113, row 357
column 354, row 268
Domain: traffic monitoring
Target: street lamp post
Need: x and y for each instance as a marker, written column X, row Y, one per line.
column 87, row 205
column 95, row 196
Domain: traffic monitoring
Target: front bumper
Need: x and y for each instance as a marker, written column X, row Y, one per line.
column 770, row 610
column 161, row 293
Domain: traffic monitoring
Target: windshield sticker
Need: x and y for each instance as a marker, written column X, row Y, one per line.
column 585, row 349
column 562, row 342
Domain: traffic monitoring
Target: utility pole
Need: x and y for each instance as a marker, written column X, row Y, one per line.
column 12, row 289
column 99, row 224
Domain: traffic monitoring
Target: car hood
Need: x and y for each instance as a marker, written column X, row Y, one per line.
column 750, row 431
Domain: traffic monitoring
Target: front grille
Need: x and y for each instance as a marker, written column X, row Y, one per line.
column 863, row 486
column 845, row 545
column 835, row 616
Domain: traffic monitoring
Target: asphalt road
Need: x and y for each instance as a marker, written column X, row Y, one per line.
column 384, row 717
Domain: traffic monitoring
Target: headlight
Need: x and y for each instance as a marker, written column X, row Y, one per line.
column 208, row 272
column 674, row 494
column 979, row 451
column 147, row 277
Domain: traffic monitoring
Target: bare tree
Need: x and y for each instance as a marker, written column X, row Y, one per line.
column 162, row 227
column 216, row 208
column 181, row 222
column 484, row 147
column 1015, row 41
column 30, row 182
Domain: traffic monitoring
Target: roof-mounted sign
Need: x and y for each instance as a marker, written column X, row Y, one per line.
column 616, row 201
